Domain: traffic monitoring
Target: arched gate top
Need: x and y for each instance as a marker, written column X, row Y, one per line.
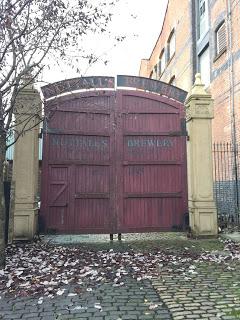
column 123, row 81
column 151, row 85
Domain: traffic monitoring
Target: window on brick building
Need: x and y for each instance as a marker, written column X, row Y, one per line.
column 155, row 71
column 221, row 38
column 204, row 66
column 172, row 81
column 153, row 74
column 203, row 17
column 162, row 62
column 171, row 45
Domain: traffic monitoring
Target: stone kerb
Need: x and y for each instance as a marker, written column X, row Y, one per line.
column 199, row 114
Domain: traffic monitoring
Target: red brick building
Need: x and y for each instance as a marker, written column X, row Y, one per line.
column 202, row 36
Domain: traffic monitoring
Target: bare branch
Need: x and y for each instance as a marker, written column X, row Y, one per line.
column 23, row 131
column 7, row 77
column 19, row 89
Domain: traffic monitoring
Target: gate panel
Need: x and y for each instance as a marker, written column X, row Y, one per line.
column 152, row 178
column 114, row 161
column 80, row 135
column 74, row 147
column 151, row 167
column 92, row 197
column 150, row 214
column 58, row 198
column 151, row 122
column 152, row 148
column 71, row 120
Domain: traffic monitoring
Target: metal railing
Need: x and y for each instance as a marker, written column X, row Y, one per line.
column 226, row 162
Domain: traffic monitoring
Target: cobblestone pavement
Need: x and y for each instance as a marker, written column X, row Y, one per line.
column 201, row 284
column 235, row 236
column 210, row 292
column 104, row 238
column 134, row 300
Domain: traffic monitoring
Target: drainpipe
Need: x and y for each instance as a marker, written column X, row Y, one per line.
column 232, row 102
column 194, row 31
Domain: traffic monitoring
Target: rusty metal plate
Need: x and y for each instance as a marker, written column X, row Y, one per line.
column 152, row 86
column 80, row 83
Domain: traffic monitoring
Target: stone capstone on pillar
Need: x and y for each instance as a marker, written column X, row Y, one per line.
column 199, row 115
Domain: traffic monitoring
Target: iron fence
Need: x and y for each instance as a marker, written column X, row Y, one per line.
column 226, row 161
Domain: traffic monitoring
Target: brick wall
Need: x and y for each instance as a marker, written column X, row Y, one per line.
column 225, row 92
column 180, row 65
column 179, row 15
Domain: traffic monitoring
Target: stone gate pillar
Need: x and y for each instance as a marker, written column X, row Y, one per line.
column 26, row 164
column 202, row 209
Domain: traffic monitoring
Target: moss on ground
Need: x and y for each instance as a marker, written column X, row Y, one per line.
column 170, row 245
column 234, row 313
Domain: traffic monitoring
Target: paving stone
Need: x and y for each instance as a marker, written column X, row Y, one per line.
column 210, row 294
column 129, row 317
column 48, row 318
column 13, row 316
column 127, row 305
column 163, row 317
column 32, row 315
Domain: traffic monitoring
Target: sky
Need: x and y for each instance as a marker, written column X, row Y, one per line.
column 141, row 22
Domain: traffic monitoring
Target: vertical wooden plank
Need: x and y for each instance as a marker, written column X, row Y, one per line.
column 119, row 176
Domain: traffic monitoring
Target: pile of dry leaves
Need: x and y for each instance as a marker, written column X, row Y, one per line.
column 46, row 270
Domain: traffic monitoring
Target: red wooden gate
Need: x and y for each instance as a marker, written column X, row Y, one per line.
column 113, row 162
